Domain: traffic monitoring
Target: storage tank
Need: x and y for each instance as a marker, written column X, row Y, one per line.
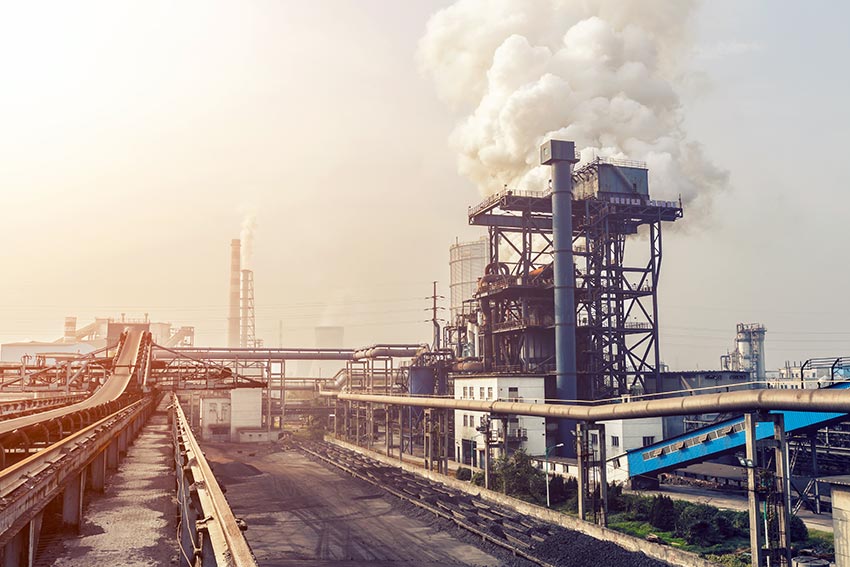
column 421, row 383
column 466, row 263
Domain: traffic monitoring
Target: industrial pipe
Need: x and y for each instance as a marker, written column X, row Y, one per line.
column 398, row 351
column 816, row 400
column 233, row 318
column 561, row 156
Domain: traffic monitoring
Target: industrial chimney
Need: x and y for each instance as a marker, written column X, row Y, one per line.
column 561, row 156
column 233, row 318
column 248, row 334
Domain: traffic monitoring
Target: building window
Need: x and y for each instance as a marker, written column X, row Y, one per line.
column 465, row 421
column 513, row 393
column 594, row 439
column 647, row 441
column 615, row 441
column 481, row 393
column 489, row 393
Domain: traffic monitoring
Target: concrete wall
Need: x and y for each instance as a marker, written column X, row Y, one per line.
column 841, row 524
column 246, row 410
column 654, row 550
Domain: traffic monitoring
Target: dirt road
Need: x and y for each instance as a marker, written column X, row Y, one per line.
column 301, row 513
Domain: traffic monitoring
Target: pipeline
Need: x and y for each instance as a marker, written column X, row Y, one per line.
column 819, row 400
column 388, row 350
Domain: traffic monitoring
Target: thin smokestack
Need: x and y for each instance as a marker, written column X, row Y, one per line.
column 234, row 306
column 248, row 324
column 561, row 156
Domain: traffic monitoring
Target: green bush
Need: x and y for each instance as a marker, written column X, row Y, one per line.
column 463, row 473
column 799, row 531
column 663, row 513
column 478, row 479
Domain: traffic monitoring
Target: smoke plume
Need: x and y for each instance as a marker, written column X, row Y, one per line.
column 599, row 72
column 249, row 229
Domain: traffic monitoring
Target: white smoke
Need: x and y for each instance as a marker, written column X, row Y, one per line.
column 601, row 73
column 247, row 234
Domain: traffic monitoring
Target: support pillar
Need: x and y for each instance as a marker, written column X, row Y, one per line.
column 72, row 500
column 13, row 552
column 388, row 428
column 34, row 531
column 768, row 494
column 112, row 455
column 122, row 441
column 98, row 472
column 357, row 425
column 756, row 529
column 591, row 473
column 813, row 445
column 401, row 433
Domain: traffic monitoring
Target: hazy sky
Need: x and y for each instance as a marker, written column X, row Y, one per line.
column 134, row 137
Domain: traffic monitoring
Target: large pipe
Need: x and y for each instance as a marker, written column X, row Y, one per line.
column 161, row 353
column 812, row 400
column 233, row 311
column 560, row 155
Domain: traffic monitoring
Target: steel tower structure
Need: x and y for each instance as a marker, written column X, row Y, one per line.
column 615, row 296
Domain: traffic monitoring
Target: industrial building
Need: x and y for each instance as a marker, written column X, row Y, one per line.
column 552, row 350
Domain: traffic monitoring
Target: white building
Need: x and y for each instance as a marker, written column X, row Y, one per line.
column 524, row 432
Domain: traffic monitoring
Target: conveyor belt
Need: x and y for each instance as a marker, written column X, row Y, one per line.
column 111, row 390
column 719, row 438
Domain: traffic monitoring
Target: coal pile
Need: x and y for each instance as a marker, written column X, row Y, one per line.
column 566, row 548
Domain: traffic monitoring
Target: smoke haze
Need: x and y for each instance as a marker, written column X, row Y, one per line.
column 601, row 73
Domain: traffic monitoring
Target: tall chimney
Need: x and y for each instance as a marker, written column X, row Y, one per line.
column 561, row 156
column 248, row 325
column 233, row 311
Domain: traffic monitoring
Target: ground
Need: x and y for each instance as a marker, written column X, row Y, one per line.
column 301, row 513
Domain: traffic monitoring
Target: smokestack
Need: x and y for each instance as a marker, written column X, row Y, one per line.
column 70, row 335
column 233, row 311
column 561, row 156
column 248, row 338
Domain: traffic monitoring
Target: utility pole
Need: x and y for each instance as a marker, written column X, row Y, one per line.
column 434, row 319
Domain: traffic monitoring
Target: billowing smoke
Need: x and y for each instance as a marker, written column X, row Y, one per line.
column 602, row 73
column 249, row 229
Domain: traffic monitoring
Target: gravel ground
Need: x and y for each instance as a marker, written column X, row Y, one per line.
column 133, row 523
column 301, row 513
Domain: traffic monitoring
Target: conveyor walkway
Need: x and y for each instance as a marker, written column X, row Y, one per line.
column 723, row 437
column 115, row 385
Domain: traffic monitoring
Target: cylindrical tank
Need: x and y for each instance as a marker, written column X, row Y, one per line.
column 466, row 265
column 807, row 561
column 422, row 382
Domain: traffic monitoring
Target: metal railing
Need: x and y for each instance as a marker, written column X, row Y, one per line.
column 209, row 533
